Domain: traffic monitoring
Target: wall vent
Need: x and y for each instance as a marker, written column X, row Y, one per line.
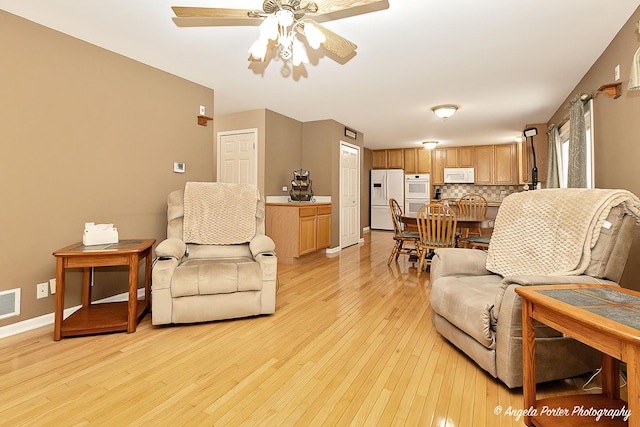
column 9, row 303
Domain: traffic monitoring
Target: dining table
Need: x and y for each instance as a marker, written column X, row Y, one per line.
column 463, row 221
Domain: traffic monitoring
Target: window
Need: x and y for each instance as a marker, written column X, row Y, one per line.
column 564, row 132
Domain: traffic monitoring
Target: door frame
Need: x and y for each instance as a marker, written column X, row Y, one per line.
column 219, row 136
column 358, row 172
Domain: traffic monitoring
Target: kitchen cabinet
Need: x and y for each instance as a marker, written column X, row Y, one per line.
column 438, row 157
column 459, row 157
column 417, row 161
column 388, row 159
column 298, row 228
column 395, row 159
column 525, row 155
column 484, row 164
column 505, row 170
column 496, row 164
column 379, row 159
column 451, row 157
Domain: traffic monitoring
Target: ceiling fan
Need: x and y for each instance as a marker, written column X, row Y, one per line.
column 281, row 20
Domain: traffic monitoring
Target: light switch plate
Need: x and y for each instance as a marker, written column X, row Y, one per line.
column 202, row 110
column 179, row 167
column 616, row 72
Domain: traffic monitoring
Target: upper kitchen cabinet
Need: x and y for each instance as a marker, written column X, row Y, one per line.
column 459, row 157
column 438, row 158
column 525, row 155
column 450, row 157
column 505, row 170
column 395, row 159
column 496, row 164
column 388, row 159
column 417, row 161
column 485, row 159
column 379, row 159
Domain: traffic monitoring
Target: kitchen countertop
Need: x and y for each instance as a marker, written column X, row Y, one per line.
column 298, row 203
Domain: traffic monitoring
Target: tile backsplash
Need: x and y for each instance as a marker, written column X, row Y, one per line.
column 490, row 192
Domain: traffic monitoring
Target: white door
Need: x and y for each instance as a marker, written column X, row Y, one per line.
column 349, row 195
column 237, row 154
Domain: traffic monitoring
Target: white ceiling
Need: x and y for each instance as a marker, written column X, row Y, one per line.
column 505, row 62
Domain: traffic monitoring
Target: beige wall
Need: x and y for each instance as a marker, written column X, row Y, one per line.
column 283, row 154
column 87, row 135
column 321, row 155
column 285, row 144
column 616, row 126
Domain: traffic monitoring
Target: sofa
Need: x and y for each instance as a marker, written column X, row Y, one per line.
column 561, row 236
column 216, row 262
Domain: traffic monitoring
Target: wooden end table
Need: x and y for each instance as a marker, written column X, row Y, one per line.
column 106, row 317
column 604, row 317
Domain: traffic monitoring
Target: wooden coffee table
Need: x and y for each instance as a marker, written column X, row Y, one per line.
column 105, row 317
column 604, row 317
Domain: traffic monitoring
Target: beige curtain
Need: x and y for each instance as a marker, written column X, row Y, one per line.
column 577, row 169
column 553, row 169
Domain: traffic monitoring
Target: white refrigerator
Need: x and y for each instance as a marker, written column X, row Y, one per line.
column 385, row 184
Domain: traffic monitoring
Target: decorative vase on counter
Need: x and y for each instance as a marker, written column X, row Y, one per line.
column 301, row 190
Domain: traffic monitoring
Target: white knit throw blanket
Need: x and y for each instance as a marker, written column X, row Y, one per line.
column 552, row 232
column 218, row 213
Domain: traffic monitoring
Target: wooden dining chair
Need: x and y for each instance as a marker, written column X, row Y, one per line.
column 474, row 205
column 477, row 242
column 436, row 228
column 401, row 236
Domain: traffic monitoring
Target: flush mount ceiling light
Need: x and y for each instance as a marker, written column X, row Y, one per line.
column 430, row 145
column 282, row 20
column 445, row 111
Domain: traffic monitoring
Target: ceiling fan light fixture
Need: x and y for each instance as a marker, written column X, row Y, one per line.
column 299, row 53
column 269, row 28
column 315, row 37
column 445, row 111
column 430, row 145
column 258, row 49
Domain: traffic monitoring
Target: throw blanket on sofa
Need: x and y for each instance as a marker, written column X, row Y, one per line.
column 551, row 232
column 218, row 213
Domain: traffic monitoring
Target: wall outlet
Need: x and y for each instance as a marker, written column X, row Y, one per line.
column 503, row 191
column 284, row 188
column 52, row 286
column 42, row 290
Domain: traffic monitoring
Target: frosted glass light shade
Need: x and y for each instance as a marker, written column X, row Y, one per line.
column 430, row 145
column 258, row 49
column 445, row 111
column 315, row 37
column 299, row 53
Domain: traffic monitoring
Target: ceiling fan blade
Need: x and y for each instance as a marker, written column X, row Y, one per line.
column 333, row 43
column 210, row 12
column 330, row 6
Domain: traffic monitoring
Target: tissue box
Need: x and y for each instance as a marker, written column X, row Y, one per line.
column 99, row 234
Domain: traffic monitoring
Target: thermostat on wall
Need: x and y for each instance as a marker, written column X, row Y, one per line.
column 178, row 167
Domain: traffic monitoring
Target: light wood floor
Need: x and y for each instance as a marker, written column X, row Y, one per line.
column 351, row 343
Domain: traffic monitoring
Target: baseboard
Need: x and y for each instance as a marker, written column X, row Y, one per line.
column 49, row 319
column 333, row 250
column 366, row 230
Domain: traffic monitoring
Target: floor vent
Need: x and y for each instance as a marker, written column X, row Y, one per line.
column 9, row 303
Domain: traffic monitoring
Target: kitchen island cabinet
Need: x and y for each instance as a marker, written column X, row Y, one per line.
column 298, row 228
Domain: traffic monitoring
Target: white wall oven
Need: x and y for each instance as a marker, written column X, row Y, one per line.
column 417, row 189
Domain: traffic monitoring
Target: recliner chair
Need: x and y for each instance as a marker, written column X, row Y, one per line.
column 559, row 236
column 216, row 262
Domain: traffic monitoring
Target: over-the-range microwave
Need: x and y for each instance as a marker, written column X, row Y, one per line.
column 459, row 175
